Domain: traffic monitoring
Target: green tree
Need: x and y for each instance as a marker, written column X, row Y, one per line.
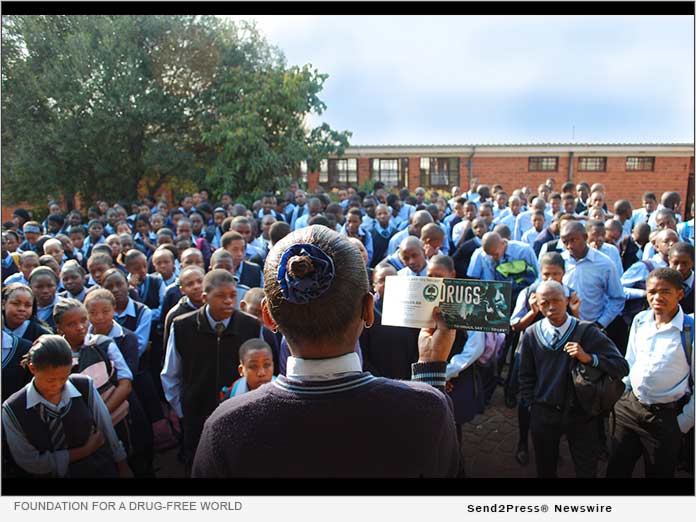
column 98, row 105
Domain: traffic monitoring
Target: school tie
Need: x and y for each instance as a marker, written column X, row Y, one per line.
column 219, row 329
column 647, row 216
column 300, row 212
column 385, row 233
column 556, row 336
column 54, row 421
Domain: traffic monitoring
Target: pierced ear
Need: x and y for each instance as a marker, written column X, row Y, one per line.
column 266, row 316
column 368, row 312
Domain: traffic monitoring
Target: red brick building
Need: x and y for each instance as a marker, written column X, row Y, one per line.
column 626, row 170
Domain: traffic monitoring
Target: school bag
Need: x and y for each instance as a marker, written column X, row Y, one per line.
column 518, row 272
column 596, row 392
column 686, row 451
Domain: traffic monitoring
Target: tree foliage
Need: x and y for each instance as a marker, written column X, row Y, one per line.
column 97, row 105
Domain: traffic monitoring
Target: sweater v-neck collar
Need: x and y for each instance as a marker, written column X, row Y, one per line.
column 561, row 341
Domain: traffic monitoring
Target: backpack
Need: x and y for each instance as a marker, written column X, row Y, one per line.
column 517, row 272
column 686, row 451
column 596, row 392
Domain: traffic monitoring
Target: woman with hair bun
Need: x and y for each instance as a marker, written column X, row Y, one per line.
column 327, row 417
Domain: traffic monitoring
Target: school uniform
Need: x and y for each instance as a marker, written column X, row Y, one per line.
column 365, row 238
column 335, row 397
column 388, row 351
column 45, row 313
column 297, row 212
column 406, row 271
column 687, row 302
column 467, row 393
column 686, row 231
column 172, row 295
column 17, row 277
column 237, row 388
column 41, row 450
column 9, row 267
column 544, row 237
column 249, row 274
column 380, row 242
column 658, row 406
column 184, row 306
column 14, row 377
column 198, row 363
column 31, row 329
column 546, row 386
column 396, row 240
column 65, row 294
column 137, row 317
column 630, row 252
column 462, row 256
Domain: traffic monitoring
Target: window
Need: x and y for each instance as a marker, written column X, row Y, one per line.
column 346, row 170
column 391, row 172
column 543, row 163
column 324, row 171
column 439, row 172
column 592, row 164
column 640, row 163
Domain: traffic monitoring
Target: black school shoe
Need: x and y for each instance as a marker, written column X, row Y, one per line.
column 522, row 455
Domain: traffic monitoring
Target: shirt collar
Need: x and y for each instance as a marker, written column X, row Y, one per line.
column 116, row 330
column 547, row 326
column 34, row 397
column 322, row 369
column 20, row 330
column 689, row 282
column 130, row 309
column 7, row 340
column 213, row 322
column 677, row 321
column 50, row 306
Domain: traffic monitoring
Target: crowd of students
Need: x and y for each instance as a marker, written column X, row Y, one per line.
column 126, row 329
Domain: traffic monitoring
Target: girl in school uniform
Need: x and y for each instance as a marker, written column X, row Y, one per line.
column 73, row 277
column 98, row 356
column 58, row 425
column 44, row 284
column 19, row 313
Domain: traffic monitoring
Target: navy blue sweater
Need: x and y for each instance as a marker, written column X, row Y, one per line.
column 356, row 426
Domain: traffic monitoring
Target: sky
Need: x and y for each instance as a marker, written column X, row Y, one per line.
column 402, row 80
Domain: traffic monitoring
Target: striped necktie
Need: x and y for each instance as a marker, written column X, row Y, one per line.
column 54, row 421
column 556, row 336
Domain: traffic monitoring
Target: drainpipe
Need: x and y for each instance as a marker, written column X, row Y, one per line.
column 471, row 166
column 570, row 166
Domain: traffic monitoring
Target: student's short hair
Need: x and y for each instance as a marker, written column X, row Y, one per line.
column 253, row 293
column 278, row 231
column 593, row 224
column 683, row 247
column 622, row 206
column 102, row 248
column 133, row 255
column 217, row 277
column 670, row 275
column 143, row 218
column 113, row 272
column 321, row 220
column 568, row 186
column 77, row 229
column 671, row 198
column 568, row 197
column 99, row 294
column 552, row 258
column 192, row 268
column 10, row 289
column 48, row 351
column 100, row 258
column 666, row 212
column 239, row 220
column 649, row 195
column 444, row 261
column 43, row 271
column 71, row 265
column 251, row 345
column 26, row 255
column 555, row 195
column 230, row 236
column 164, row 249
column 189, row 251
column 220, row 253
column 386, row 266
column 64, row 306
column 328, row 315
column 539, row 213
column 502, row 230
column 354, row 212
column 164, row 231
column 432, row 231
column 52, row 241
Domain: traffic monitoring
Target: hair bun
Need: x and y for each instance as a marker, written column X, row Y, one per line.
column 300, row 266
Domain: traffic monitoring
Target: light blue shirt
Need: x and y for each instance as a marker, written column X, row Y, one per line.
column 458, row 230
column 365, row 239
column 686, row 230
column 142, row 329
column 524, row 223
column 658, row 369
column 55, row 463
column 45, row 313
column 473, row 349
column 303, row 220
column 613, row 253
column 597, row 283
column 15, row 278
column 508, row 220
column 530, row 236
column 636, row 273
column 515, row 250
column 405, row 212
column 170, row 376
column 396, row 240
column 19, row 331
